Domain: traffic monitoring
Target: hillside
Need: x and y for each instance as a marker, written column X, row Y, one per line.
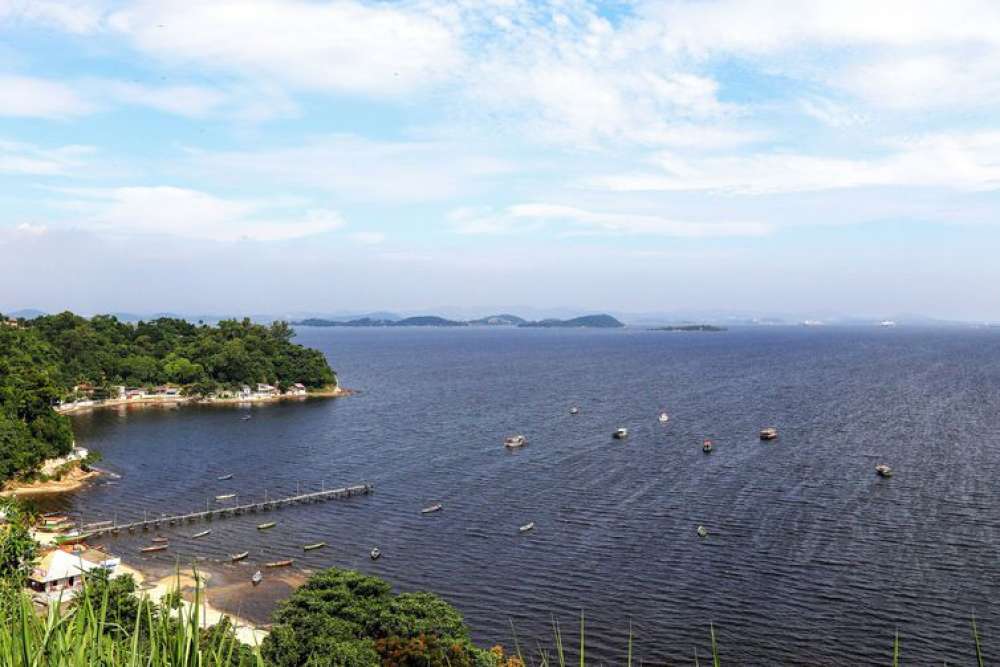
column 585, row 322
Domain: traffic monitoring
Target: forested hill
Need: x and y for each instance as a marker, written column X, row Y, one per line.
column 43, row 359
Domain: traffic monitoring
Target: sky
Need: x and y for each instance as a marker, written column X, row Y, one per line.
column 764, row 156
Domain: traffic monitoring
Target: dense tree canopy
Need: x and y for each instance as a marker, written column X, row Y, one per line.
column 42, row 360
column 347, row 619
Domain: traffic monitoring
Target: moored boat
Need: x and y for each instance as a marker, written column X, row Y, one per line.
column 279, row 563
column 769, row 433
column 436, row 507
column 239, row 556
column 663, row 418
column 526, row 527
column 223, row 478
column 883, row 470
column 574, row 410
column 702, row 531
column 257, row 577
column 515, row 441
column 201, row 534
column 707, row 446
column 313, row 547
column 225, row 496
column 74, row 537
column 159, row 539
column 265, row 526
column 245, row 417
column 620, row 434
column 375, row 553
column 151, row 549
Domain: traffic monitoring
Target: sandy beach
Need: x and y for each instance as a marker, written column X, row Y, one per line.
column 336, row 392
column 73, row 480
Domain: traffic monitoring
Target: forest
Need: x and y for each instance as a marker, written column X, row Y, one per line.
column 46, row 359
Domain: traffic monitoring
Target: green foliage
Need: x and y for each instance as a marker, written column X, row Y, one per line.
column 44, row 359
column 115, row 596
column 17, row 547
column 341, row 617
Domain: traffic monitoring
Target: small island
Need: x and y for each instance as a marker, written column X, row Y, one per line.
column 419, row 321
column 689, row 327
column 585, row 322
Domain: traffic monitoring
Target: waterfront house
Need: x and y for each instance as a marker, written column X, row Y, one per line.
column 245, row 392
column 60, row 573
column 266, row 389
column 297, row 389
column 133, row 393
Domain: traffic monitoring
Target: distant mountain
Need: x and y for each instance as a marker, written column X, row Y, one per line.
column 420, row 321
column 587, row 321
column 689, row 327
column 25, row 314
column 504, row 320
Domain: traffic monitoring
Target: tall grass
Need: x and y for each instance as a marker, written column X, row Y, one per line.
column 86, row 636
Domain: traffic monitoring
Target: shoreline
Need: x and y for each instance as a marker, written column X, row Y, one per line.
column 73, row 480
column 336, row 392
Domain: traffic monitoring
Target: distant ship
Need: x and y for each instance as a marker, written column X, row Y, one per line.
column 887, row 323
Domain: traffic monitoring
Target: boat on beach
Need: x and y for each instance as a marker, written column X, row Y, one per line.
column 265, row 526
column 515, row 441
column 225, row 496
column 201, row 534
column 375, row 553
column 223, row 478
column 882, row 470
column 74, row 537
column 436, row 507
column 155, row 547
column 526, row 527
column 240, row 556
column 257, row 577
column 707, row 446
column 279, row 563
column 313, row 547
column 620, row 433
column 769, row 433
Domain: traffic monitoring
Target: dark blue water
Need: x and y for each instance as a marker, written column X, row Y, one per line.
column 811, row 558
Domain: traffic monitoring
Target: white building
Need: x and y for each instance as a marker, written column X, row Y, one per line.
column 60, row 573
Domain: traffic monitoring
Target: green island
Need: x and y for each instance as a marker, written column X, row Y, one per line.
column 689, row 327
column 56, row 360
column 503, row 320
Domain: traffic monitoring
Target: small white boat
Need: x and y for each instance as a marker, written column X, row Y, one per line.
column 225, row 496
column 574, row 410
column 257, row 577
column 375, row 553
column 883, row 470
column 769, row 433
column 702, row 531
column 223, row 478
column 515, row 441
column 436, row 507
column 239, row 556
column 526, row 527
column 620, row 434
column 245, row 417
column 707, row 446
column 663, row 418
column 201, row 534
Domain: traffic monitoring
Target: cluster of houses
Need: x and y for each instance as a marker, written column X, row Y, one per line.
column 58, row 574
column 86, row 394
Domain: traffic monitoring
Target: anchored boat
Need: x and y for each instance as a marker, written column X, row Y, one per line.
column 239, row 556
column 225, row 496
column 702, row 531
column 883, row 470
column 265, row 526
column 279, row 563
column 313, row 547
column 375, row 553
column 526, row 527
column 159, row 539
column 769, row 433
column 223, row 478
column 620, row 434
column 201, row 534
column 707, row 446
column 515, row 441
column 155, row 547
column 574, row 410
column 663, row 418
column 436, row 507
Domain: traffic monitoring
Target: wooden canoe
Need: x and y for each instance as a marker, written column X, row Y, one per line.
column 279, row 563
column 265, row 526
column 239, row 556
column 155, row 547
column 313, row 547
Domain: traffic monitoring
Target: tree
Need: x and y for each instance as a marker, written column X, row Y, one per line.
column 18, row 548
column 115, row 594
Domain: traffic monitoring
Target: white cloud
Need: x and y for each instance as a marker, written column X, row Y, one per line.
column 181, row 100
column 345, row 46
column 368, row 238
column 960, row 161
column 569, row 220
column 23, row 158
column 33, row 97
column 193, row 214
column 75, row 16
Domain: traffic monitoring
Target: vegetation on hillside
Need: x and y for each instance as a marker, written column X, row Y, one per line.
column 43, row 360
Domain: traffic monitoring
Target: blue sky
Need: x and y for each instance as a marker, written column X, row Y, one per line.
column 815, row 158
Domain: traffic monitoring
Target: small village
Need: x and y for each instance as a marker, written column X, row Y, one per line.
column 86, row 395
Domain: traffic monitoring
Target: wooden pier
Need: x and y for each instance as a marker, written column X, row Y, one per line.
column 110, row 528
